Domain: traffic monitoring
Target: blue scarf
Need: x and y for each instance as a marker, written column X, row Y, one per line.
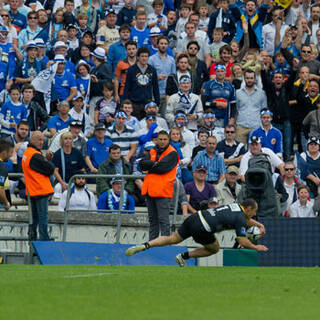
column 114, row 201
column 177, row 146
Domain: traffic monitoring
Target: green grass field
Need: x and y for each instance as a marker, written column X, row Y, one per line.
column 138, row 293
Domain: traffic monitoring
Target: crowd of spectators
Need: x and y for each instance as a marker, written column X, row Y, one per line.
column 227, row 80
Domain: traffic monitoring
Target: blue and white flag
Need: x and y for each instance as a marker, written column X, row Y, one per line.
column 43, row 83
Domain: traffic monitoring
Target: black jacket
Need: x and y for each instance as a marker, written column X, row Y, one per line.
column 104, row 74
column 38, row 117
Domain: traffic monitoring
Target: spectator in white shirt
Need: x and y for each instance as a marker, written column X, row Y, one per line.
column 81, row 198
column 303, row 207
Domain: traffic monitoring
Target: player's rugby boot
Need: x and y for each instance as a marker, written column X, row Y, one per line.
column 135, row 249
column 179, row 260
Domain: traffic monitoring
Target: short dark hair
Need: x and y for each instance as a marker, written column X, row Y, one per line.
column 131, row 43
column 126, row 101
column 32, row 13
column 23, row 123
column 226, row 47
column 163, row 132
column 203, row 131
column 124, row 27
column 28, row 86
column 143, row 50
column 114, row 147
column 163, row 38
column 14, row 87
column 181, row 56
column 249, row 71
column 249, row 202
column 108, row 85
column 193, row 42
column 5, row 145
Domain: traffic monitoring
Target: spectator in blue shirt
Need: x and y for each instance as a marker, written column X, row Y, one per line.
column 110, row 200
column 212, row 161
column 271, row 137
column 18, row 20
column 219, row 94
column 140, row 33
column 97, row 148
column 61, row 120
column 64, row 82
column 117, row 51
column 12, row 112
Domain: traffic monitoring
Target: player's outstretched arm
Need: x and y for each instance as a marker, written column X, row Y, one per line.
column 252, row 222
column 245, row 242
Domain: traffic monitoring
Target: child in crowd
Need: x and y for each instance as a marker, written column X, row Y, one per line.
column 131, row 121
column 303, row 207
column 69, row 17
column 185, row 12
column 217, row 43
column 127, row 13
column 77, row 112
column 106, row 107
column 73, row 36
column 204, row 17
column 83, row 77
column 157, row 18
column 82, row 20
column 12, row 112
column 202, row 136
column 58, row 22
column 41, row 55
column 171, row 31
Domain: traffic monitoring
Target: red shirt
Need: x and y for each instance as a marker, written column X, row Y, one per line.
column 228, row 69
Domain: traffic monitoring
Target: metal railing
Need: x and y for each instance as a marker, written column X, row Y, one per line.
column 120, row 210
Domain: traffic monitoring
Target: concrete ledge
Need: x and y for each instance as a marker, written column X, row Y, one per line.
column 86, row 218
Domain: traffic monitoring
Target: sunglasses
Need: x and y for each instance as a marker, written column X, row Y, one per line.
column 289, row 169
column 5, row 15
column 304, row 51
column 33, row 18
column 230, row 131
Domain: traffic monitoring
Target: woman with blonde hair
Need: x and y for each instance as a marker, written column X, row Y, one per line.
column 67, row 161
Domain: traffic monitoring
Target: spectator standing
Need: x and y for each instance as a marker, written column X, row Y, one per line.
column 117, row 51
column 6, row 151
column 270, row 137
column 115, row 164
column 97, row 148
column 37, row 171
column 122, row 67
column 140, row 33
column 161, row 166
column 219, row 94
column 212, row 161
column 67, row 161
column 18, row 20
column 81, row 197
column 250, row 101
column 228, row 190
column 141, row 84
column 164, row 64
column 90, row 11
column 110, row 199
column 198, row 190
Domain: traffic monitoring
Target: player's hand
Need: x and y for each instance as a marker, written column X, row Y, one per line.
column 7, row 206
column 262, row 230
column 261, row 247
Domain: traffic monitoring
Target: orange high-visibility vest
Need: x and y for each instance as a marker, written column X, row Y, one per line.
column 37, row 184
column 160, row 185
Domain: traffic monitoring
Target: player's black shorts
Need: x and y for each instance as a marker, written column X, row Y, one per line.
column 192, row 227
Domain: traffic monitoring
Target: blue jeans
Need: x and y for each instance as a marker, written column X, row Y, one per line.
column 285, row 129
column 39, row 207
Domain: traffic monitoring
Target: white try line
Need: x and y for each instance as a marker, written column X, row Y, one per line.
column 88, row 275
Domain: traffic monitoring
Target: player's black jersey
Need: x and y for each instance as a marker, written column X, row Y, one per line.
column 224, row 218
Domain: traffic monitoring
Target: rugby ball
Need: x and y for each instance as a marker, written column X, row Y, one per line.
column 253, row 233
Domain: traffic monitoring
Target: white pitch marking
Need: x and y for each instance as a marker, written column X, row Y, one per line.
column 88, row 275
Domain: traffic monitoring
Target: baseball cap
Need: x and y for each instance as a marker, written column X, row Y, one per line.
column 155, row 31
column 115, row 179
column 110, row 11
column 100, row 126
column 255, row 139
column 233, row 169
column 213, row 200
column 75, row 123
column 60, row 44
column 313, row 140
column 4, row 29
column 201, row 167
column 77, row 96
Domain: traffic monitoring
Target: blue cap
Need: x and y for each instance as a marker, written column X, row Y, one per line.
column 115, row 179
column 201, row 167
column 4, row 29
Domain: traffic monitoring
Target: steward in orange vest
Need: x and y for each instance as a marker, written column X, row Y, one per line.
column 37, row 171
column 161, row 164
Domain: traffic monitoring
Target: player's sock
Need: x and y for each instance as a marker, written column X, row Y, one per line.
column 185, row 255
column 147, row 245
